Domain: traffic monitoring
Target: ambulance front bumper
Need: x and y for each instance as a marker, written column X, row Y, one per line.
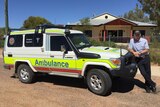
column 125, row 70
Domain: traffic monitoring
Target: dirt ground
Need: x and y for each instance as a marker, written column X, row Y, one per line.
column 50, row 91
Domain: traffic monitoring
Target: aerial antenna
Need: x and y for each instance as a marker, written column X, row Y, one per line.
column 94, row 14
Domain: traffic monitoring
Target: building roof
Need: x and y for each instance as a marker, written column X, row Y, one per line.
column 106, row 18
column 143, row 23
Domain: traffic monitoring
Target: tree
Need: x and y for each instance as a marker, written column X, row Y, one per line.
column 85, row 21
column 2, row 32
column 136, row 14
column 6, row 16
column 84, row 24
column 32, row 22
column 152, row 7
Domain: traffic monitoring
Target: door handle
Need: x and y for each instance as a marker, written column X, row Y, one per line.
column 52, row 56
column 42, row 49
column 9, row 55
column 69, row 57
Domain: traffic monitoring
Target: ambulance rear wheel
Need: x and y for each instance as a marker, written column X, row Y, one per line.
column 99, row 82
column 25, row 73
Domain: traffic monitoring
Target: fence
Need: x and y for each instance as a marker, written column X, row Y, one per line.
column 120, row 39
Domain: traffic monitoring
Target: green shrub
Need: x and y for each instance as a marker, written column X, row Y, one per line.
column 155, row 55
column 101, row 43
column 1, row 43
column 155, row 50
column 155, row 43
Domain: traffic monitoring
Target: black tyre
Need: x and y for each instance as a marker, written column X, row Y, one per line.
column 25, row 73
column 99, row 82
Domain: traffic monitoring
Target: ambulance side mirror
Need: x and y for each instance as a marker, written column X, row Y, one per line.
column 63, row 49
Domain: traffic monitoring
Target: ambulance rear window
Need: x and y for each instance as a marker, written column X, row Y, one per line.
column 15, row 41
column 32, row 40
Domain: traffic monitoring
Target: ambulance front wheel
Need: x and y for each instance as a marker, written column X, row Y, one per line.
column 99, row 82
column 25, row 73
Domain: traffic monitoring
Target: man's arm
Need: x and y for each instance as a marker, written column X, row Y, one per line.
column 144, row 51
column 134, row 52
column 130, row 49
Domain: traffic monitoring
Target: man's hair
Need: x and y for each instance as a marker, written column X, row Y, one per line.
column 137, row 32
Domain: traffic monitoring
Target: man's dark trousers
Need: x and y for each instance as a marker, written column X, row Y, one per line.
column 145, row 69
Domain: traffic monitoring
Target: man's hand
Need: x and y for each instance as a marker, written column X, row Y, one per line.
column 136, row 54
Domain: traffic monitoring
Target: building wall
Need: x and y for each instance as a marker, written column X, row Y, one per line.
column 97, row 31
column 126, row 29
column 103, row 17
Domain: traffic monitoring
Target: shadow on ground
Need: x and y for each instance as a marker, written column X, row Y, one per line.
column 60, row 80
column 121, row 85
column 124, row 85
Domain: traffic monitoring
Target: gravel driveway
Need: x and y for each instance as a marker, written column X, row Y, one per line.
column 50, row 91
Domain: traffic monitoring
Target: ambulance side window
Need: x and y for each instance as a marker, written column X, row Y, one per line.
column 57, row 42
column 15, row 41
column 34, row 40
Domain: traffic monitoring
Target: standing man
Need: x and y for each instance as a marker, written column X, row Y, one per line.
column 139, row 47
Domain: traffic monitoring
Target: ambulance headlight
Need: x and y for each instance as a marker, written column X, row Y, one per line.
column 116, row 61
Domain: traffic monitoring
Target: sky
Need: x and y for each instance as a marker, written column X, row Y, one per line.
column 61, row 11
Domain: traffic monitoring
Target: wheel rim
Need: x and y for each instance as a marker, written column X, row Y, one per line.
column 24, row 74
column 96, row 82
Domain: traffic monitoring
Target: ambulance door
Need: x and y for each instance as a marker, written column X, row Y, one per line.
column 62, row 56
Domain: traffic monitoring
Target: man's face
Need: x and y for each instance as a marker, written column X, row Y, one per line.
column 137, row 36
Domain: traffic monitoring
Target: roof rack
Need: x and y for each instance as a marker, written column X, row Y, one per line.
column 43, row 27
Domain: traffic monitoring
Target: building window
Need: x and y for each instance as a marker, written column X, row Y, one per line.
column 115, row 33
column 88, row 33
column 34, row 40
column 15, row 40
column 112, row 33
column 120, row 32
column 57, row 42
